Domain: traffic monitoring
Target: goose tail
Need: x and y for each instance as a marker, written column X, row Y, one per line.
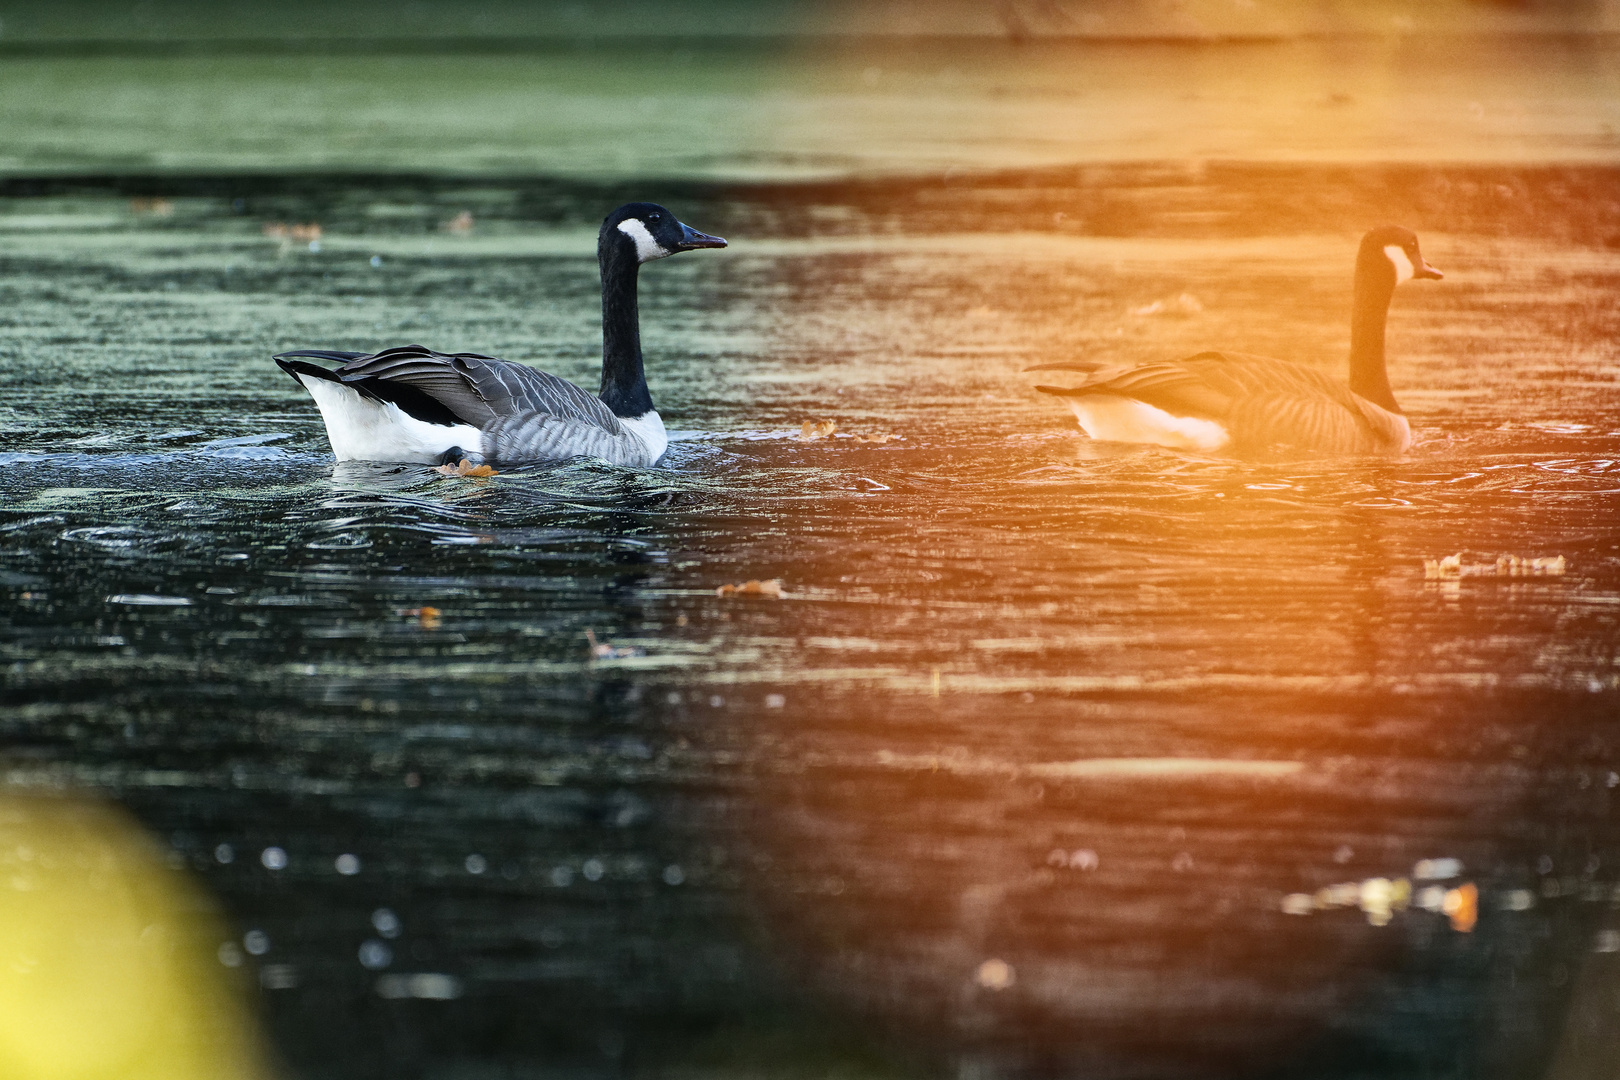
column 295, row 368
column 1097, row 373
column 323, row 354
column 1086, row 367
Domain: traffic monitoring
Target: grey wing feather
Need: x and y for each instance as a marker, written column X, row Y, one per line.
column 545, row 436
column 511, row 389
column 1277, row 401
column 1243, row 374
column 1259, row 399
column 484, row 390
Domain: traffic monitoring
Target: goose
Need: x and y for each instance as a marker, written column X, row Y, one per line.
column 412, row 404
column 1219, row 400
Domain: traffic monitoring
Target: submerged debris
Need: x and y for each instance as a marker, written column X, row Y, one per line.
column 309, row 233
column 1448, row 567
column 771, row 588
column 1079, row 859
column 1437, row 869
column 1380, row 898
column 601, row 650
column 1185, row 304
column 995, row 974
column 1513, row 566
column 1452, row 566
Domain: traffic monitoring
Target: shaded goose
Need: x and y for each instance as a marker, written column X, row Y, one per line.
column 413, row 404
column 1219, row 400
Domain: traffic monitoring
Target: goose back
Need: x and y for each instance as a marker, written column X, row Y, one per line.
column 482, row 390
column 1256, row 400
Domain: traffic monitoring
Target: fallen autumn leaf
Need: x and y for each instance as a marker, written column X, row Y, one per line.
column 428, row 617
column 771, row 588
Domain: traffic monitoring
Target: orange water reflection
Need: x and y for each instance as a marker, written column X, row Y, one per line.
column 1087, row 760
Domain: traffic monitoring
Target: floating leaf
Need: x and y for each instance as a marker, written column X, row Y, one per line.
column 1462, row 905
column 428, row 617
column 816, row 429
column 280, row 230
column 771, row 588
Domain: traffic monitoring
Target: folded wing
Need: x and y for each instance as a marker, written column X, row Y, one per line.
column 476, row 389
column 1258, row 400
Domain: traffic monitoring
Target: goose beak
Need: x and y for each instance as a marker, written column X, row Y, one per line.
column 691, row 239
column 1424, row 270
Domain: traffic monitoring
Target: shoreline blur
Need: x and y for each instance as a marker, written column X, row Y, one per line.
column 818, row 110
column 448, row 22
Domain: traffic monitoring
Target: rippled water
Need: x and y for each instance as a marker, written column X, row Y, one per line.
column 1055, row 758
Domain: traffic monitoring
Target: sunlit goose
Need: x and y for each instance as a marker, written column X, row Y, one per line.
column 1218, row 400
column 413, row 404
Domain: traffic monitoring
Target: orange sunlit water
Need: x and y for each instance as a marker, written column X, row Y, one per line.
column 1077, row 785
column 891, row 695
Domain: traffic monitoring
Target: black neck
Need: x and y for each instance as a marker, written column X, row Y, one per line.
column 1375, row 285
column 624, row 383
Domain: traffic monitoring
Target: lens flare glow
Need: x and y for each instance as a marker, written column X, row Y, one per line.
column 108, row 961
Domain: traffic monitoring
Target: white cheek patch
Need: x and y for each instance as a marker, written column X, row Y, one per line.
column 647, row 249
column 1397, row 256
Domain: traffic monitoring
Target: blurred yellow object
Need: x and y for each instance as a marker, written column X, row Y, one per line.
column 109, row 959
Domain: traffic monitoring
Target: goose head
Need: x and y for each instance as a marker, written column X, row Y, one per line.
column 1389, row 255
column 646, row 231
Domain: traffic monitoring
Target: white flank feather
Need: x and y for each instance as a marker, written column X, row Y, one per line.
column 648, row 429
column 1121, row 419
column 361, row 429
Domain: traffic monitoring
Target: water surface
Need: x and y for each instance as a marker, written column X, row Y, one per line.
column 1055, row 758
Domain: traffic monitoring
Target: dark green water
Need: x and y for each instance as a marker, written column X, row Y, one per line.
column 1018, row 778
